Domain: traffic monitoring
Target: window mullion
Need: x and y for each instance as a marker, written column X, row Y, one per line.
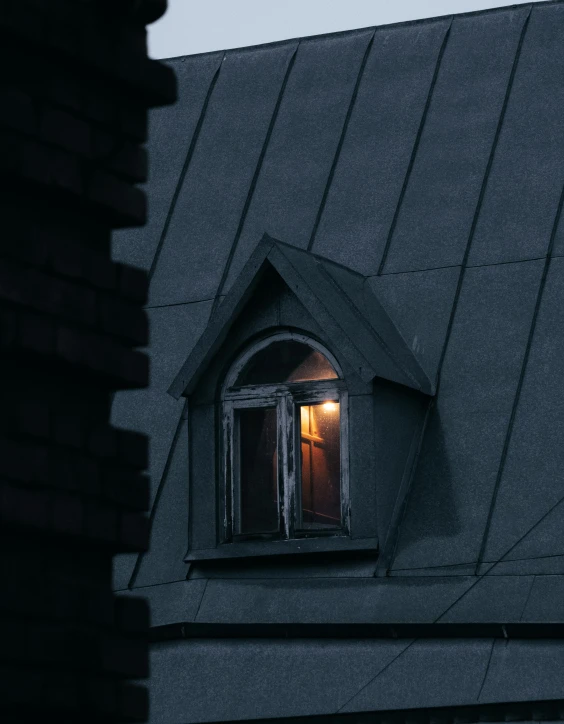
column 287, row 464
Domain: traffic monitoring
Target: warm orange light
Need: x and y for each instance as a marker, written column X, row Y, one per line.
column 329, row 406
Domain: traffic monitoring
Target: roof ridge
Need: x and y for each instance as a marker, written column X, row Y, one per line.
column 351, row 31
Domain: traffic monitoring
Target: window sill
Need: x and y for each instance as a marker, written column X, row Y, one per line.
column 284, row 547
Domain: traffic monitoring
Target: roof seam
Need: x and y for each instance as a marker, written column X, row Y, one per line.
column 158, row 494
column 340, row 143
column 487, row 669
column 183, row 172
column 480, row 198
column 254, row 180
column 381, row 671
column 522, row 373
column 533, row 579
column 480, row 576
column 415, row 147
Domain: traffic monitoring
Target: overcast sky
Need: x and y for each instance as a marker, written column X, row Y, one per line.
column 198, row 26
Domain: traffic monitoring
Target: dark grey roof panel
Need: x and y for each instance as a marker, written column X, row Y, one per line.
column 428, row 673
column 558, row 249
column 436, row 214
column 528, row 169
column 420, row 304
column 174, row 330
column 461, row 451
column 303, row 143
column 164, row 561
column 546, row 600
column 224, row 680
column 168, row 600
column 493, row 598
column 211, row 201
column 533, row 481
column 377, row 147
column 376, row 600
column 525, row 670
column 170, row 131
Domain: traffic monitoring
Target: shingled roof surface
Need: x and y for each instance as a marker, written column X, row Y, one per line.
column 427, row 157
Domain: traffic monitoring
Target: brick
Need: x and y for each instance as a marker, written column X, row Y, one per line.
column 8, row 328
column 101, row 272
column 23, row 461
column 132, row 614
column 127, row 488
column 37, row 333
column 101, row 695
column 125, row 657
column 17, row 110
column 133, row 283
column 62, row 470
column 68, row 429
column 125, row 320
column 63, row 602
column 63, row 129
column 99, row 607
column 126, row 201
column 87, row 475
column 24, row 506
column 134, row 121
column 52, row 167
column 68, row 514
column 101, row 522
column 134, row 530
column 33, row 417
column 102, row 441
column 134, row 703
column 133, row 448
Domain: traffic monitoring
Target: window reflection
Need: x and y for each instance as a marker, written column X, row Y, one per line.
column 320, row 465
column 258, row 490
column 286, row 361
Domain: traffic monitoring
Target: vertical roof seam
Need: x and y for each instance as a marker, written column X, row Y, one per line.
column 522, row 373
column 415, row 147
column 490, row 657
column 533, row 579
column 158, row 494
column 254, row 180
column 184, row 171
column 481, row 196
column 340, row 143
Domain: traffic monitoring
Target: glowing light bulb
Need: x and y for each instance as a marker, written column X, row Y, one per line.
column 329, row 406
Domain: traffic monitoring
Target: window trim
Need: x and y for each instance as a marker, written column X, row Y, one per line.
column 285, row 397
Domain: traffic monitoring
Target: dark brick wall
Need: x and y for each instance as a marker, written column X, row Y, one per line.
column 76, row 85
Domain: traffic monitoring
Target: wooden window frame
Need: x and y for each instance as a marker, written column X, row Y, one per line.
column 286, row 399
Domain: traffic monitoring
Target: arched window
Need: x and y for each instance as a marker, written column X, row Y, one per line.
column 285, row 442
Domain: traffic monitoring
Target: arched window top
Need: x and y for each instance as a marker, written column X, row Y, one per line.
column 281, row 359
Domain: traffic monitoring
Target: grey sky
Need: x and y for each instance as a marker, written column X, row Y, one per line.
column 196, row 26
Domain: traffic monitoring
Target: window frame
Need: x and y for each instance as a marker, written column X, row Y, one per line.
column 286, row 399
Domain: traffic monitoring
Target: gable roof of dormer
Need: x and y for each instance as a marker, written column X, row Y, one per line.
column 339, row 299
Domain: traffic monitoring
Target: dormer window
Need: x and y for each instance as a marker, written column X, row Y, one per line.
column 285, row 442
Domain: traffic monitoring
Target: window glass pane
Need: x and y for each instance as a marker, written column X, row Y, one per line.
column 257, row 503
column 286, row 361
column 321, row 466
